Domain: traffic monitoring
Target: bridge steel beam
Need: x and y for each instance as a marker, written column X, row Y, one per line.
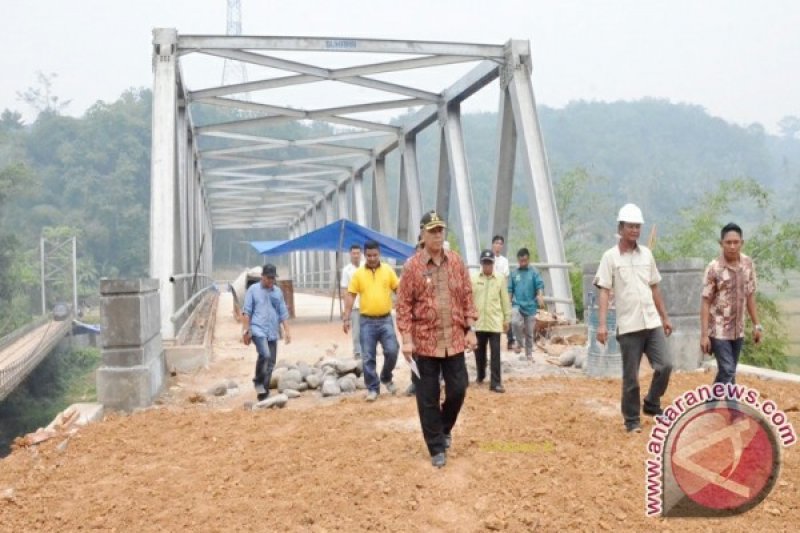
column 503, row 180
column 381, row 216
column 330, row 217
column 410, row 208
column 319, row 221
column 243, row 164
column 358, row 198
column 304, row 257
column 459, row 174
column 443, row 182
column 538, row 184
column 163, row 178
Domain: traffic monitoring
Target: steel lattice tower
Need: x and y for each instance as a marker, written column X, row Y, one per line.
column 234, row 71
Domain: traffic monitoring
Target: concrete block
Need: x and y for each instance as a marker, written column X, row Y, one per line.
column 681, row 285
column 134, row 355
column 110, row 287
column 129, row 388
column 129, row 318
column 187, row 358
column 684, row 343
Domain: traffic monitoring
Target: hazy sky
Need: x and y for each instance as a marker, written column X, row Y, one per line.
column 737, row 58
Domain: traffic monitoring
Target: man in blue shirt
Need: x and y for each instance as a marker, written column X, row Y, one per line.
column 263, row 314
column 526, row 288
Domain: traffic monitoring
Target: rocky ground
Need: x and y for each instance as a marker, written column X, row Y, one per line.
column 549, row 455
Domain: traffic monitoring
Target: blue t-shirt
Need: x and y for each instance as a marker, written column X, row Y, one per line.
column 266, row 309
column 523, row 284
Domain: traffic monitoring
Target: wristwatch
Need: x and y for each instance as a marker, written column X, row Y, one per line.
column 471, row 328
column 758, row 327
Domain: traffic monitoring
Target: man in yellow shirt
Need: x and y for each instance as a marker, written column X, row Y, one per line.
column 374, row 283
column 494, row 315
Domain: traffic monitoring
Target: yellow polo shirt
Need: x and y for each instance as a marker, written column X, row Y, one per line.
column 375, row 289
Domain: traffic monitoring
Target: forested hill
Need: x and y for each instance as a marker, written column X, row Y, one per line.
column 90, row 175
column 662, row 155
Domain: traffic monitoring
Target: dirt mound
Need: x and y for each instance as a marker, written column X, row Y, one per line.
column 548, row 455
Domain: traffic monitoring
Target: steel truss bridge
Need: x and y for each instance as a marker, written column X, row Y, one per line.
column 244, row 165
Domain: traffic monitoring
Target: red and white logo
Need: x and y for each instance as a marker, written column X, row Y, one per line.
column 724, row 459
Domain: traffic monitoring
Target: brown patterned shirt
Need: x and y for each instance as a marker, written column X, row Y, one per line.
column 434, row 303
column 727, row 287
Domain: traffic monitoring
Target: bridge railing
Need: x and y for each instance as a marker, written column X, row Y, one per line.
column 12, row 375
column 21, row 332
column 186, row 300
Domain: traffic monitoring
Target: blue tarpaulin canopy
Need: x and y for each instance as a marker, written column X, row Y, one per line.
column 262, row 246
column 338, row 236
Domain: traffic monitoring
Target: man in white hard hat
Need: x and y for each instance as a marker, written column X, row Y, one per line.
column 642, row 323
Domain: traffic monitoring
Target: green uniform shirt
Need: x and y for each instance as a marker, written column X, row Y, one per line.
column 492, row 302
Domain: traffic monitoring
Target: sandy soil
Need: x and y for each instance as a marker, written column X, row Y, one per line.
column 550, row 455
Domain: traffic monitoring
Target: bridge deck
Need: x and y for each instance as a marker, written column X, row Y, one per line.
column 21, row 355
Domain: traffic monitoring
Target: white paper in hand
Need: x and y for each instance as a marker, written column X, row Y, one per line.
column 414, row 369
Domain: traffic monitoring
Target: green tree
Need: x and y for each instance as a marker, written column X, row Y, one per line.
column 41, row 96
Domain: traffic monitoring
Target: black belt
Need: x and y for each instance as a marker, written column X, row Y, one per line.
column 376, row 316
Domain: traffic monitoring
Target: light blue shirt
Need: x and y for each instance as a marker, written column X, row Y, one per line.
column 266, row 309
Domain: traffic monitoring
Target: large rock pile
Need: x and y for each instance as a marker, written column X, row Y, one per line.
column 327, row 377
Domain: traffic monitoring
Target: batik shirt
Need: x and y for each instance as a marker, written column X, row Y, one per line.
column 727, row 287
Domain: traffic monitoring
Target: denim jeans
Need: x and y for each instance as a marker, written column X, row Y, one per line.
column 355, row 315
column 265, row 363
column 632, row 345
column 493, row 340
column 438, row 418
column 373, row 331
column 727, row 355
column 523, row 327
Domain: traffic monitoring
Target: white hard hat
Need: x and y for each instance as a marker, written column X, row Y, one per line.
column 630, row 213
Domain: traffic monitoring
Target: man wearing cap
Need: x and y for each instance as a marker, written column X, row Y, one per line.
column 526, row 287
column 263, row 314
column 494, row 314
column 642, row 323
column 374, row 283
column 436, row 317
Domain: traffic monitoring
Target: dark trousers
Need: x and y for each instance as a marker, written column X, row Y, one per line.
column 493, row 340
column 633, row 345
column 265, row 364
column 727, row 354
column 437, row 419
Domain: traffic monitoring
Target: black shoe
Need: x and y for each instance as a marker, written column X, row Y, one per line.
column 498, row 388
column 262, row 396
column 633, row 428
column 448, row 440
column 652, row 411
column 439, row 460
column 479, row 381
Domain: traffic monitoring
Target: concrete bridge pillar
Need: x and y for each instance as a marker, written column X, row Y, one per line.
column 133, row 371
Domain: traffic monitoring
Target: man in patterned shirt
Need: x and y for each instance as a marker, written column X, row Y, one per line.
column 729, row 288
column 436, row 317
